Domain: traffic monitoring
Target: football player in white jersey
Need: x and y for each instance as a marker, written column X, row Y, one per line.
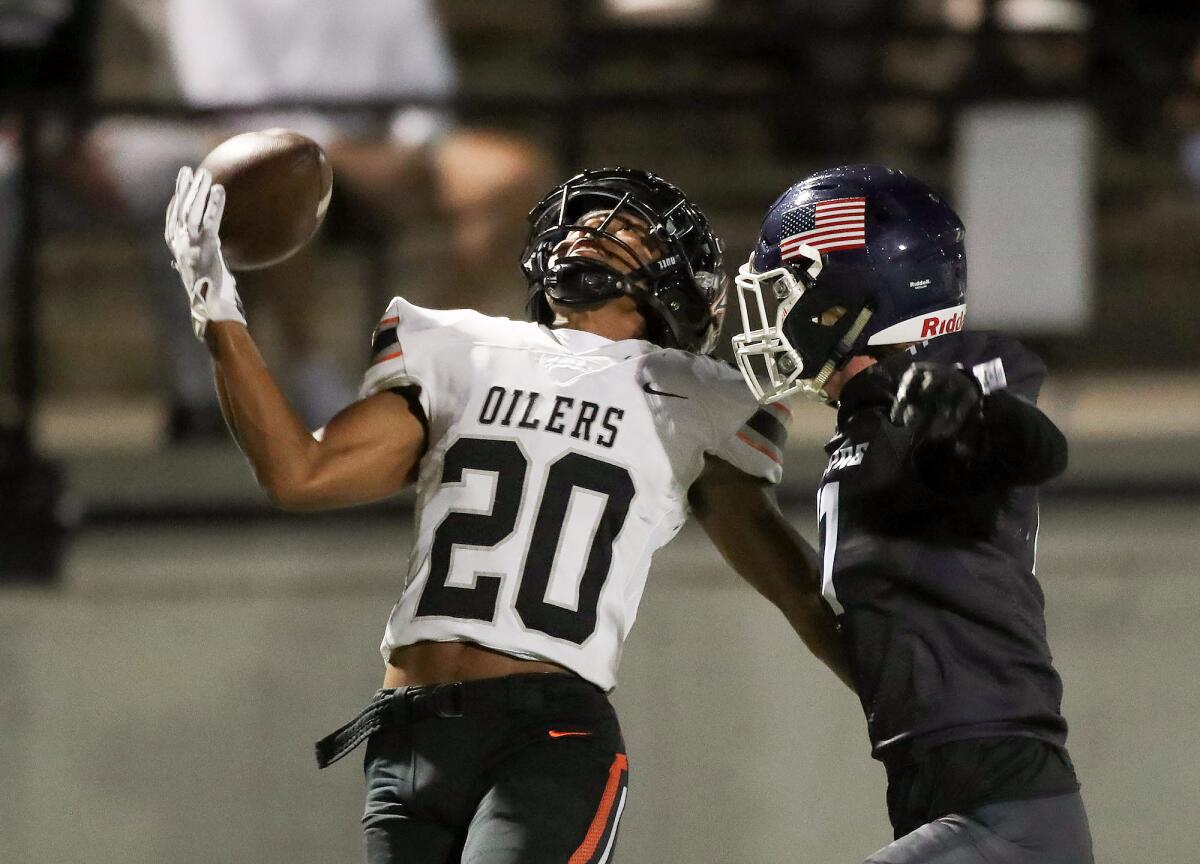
column 551, row 459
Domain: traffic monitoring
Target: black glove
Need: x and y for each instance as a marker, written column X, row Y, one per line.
column 942, row 406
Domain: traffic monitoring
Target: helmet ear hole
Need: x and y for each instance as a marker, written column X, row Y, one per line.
column 830, row 315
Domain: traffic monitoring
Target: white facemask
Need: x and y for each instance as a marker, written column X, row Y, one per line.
column 780, row 363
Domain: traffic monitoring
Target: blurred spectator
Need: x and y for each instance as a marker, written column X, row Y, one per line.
column 1184, row 116
column 45, row 44
column 45, row 52
column 390, row 170
column 980, row 50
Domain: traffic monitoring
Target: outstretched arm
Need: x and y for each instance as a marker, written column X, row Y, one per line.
column 367, row 452
column 740, row 516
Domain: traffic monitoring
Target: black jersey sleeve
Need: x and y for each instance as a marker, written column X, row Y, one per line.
column 1022, row 446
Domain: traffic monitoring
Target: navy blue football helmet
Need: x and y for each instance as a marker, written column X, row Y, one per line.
column 681, row 293
column 866, row 239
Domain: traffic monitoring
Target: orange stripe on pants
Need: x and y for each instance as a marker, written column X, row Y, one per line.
column 595, row 833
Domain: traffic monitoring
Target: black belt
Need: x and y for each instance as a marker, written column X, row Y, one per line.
column 531, row 693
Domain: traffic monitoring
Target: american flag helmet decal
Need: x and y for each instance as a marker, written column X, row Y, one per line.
column 825, row 226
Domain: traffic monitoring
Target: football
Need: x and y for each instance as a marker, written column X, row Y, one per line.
column 277, row 186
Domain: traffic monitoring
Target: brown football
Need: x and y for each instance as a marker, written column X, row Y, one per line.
column 277, row 185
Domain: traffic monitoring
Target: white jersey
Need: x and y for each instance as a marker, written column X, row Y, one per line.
column 558, row 462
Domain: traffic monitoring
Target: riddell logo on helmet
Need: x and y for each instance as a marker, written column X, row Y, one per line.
column 935, row 325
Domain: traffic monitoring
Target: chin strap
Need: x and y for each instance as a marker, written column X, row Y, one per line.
column 583, row 282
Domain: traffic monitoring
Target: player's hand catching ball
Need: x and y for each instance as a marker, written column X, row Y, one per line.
column 193, row 220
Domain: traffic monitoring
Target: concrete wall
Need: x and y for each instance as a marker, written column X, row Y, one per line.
column 161, row 705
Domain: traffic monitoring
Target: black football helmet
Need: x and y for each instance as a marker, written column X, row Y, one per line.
column 681, row 293
column 877, row 243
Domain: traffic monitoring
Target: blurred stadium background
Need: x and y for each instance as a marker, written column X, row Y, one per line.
column 170, row 647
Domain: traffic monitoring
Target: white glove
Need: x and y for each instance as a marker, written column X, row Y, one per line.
column 193, row 219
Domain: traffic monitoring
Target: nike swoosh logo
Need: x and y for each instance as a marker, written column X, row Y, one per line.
column 555, row 733
column 649, row 389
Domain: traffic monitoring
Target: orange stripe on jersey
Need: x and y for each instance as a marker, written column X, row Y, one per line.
column 384, row 324
column 391, row 356
column 781, row 409
column 587, row 849
column 769, row 452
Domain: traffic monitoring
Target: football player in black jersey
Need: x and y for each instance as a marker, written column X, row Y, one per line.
column 928, row 511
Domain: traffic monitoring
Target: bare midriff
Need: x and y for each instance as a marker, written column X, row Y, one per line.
column 439, row 662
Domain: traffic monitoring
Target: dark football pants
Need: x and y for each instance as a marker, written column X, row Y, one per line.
column 529, row 769
column 1033, row 831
